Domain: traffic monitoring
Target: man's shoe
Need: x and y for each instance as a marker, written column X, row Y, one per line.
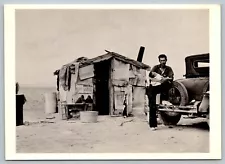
column 153, row 129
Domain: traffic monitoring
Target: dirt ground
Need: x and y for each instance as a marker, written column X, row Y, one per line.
column 108, row 135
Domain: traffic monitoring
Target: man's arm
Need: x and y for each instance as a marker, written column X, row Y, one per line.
column 156, row 77
column 170, row 73
column 151, row 75
column 170, row 76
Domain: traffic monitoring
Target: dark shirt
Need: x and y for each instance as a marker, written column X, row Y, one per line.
column 167, row 73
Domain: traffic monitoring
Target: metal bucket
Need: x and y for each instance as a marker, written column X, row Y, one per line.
column 89, row 116
column 50, row 103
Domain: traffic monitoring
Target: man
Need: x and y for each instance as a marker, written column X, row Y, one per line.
column 81, row 99
column 161, row 77
column 20, row 101
column 89, row 100
column 89, row 103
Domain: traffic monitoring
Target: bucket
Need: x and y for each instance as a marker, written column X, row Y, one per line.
column 89, row 116
column 50, row 103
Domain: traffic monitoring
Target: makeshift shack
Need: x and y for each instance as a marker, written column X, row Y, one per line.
column 107, row 79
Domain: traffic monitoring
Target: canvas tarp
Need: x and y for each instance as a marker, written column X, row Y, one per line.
column 65, row 75
column 73, row 81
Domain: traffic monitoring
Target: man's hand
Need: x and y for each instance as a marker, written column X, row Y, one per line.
column 165, row 79
column 168, row 78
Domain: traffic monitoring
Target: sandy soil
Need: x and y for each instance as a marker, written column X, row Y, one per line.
column 109, row 136
column 41, row 135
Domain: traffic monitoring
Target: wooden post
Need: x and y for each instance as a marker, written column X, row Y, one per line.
column 63, row 110
column 111, row 95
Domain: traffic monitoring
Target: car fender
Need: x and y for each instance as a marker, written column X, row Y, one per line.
column 204, row 106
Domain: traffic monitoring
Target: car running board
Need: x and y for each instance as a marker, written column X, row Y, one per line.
column 186, row 109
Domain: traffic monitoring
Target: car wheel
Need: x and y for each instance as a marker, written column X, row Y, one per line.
column 177, row 95
column 169, row 119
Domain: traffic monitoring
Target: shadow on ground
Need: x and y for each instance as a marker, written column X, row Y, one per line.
column 198, row 125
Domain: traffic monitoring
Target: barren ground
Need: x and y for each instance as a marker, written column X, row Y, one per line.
column 41, row 135
column 108, row 136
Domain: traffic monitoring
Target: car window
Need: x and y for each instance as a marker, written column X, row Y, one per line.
column 200, row 64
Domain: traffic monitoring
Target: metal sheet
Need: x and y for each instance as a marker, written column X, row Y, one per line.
column 141, row 78
column 137, row 76
column 131, row 74
column 120, row 70
column 86, row 72
column 119, row 97
column 88, row 81
column 84, row 89
column 119, row 83
column 130, row 99
column 138, row 103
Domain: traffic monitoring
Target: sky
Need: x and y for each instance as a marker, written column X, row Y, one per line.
column 47, row 39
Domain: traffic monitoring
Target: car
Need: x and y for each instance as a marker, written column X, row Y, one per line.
column 188, row 95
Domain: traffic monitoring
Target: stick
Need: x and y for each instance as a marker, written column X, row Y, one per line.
column 125, row 122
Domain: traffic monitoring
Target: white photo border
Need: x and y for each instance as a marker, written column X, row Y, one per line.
column 9, row 81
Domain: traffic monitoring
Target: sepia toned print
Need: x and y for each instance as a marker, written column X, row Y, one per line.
column 112, row 81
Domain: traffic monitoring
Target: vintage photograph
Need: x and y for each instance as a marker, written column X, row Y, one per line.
column 112, row 80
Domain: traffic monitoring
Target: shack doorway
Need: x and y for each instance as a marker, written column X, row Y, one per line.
column 102, row 75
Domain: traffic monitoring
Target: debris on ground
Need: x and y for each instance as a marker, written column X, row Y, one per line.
column 126, row 122
column 27, row 123
column 52, row 117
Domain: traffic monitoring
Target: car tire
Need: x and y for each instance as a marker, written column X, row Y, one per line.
column 172, row 118
column 183, row 92
column 169, row 119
